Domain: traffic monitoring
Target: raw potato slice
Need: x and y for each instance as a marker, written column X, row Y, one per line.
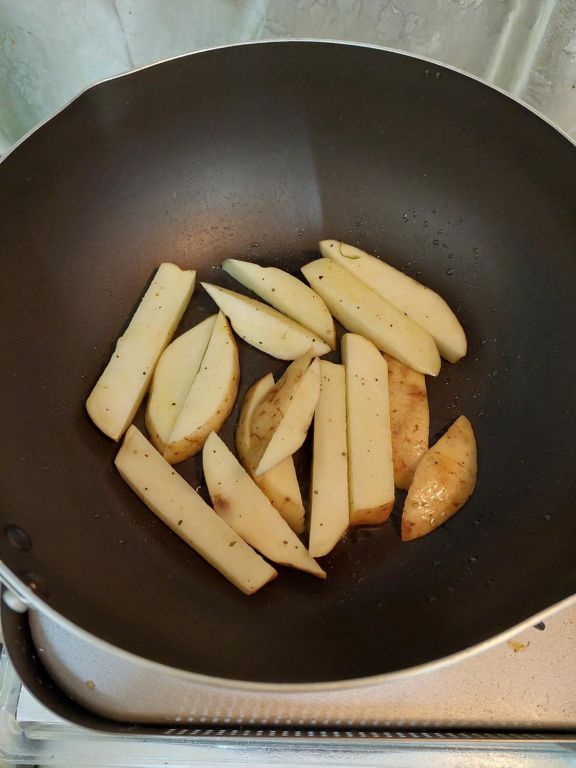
column 178, row 505
column 280, row 483
column 246, row 509
column 409, row 420
column 363, row 311
column 422, row 304
column 211, row 397
column 329, row 514
column 287, row 294
column 370, row 469
column 117, row 395
column 175, row 371
column 443, row 482
column 264, row 327
column 281, row 420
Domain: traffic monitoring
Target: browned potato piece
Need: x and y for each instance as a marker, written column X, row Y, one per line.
column 280, row 483
column 409, row 420
column 443, row 481
column 281, row 419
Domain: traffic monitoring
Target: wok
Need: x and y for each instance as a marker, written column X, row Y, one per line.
column 259, row 151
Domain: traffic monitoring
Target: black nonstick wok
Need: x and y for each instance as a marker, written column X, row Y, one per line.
column 259, row 151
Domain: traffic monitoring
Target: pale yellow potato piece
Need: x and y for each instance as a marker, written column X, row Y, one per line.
column 287, row 294
column 409, row 420
column 178, row 505
column 241, row 504
column 363, row 311
column 370, row 467
column 282, row 418
column 265, row 328
column 329, row 515
column 422, row 304
column 117, row 395
column 211, row 397
column 443, row 482
column 280, row 483
column 174, row 374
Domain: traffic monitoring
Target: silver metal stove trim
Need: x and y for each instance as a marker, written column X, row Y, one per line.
column 528, row 684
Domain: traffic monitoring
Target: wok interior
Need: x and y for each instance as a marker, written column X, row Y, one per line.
column 258, row 152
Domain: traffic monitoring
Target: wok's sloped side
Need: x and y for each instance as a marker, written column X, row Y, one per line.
column 280, row 145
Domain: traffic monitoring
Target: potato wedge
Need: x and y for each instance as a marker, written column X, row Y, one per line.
column 409, row 420
column 287, row 294
column 329, row 515
column 264, row 327
column 443, row 482
column 420, row 303
column 178, row 505
column 280, row 483
column 282, row 418
column 174, row 374
column 363, row 311
column 117, row 395
column 370, row 468
column 246, row 509
column 211, row 397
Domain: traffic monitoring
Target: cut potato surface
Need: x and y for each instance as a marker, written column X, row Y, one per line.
column 370, row 467
column 329, row 515
column 363, row 311
column 211, row 397
column 280, row 484
column 281, row 420
column 120, row 389
column 422, row 304
column 175, row 372
column 287, row 294
column 265, row 328
column 443, row 482
column 178, row 505
column 241, row 504
column 409, row 420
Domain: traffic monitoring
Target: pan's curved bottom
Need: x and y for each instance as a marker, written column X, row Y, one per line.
column 261, row 151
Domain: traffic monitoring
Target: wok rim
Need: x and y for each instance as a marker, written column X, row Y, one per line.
column 18, row 597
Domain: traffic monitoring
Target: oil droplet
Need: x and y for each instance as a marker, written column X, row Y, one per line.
column 35, row 583
column 90, row 684
column 450, row 271
column 18, row 537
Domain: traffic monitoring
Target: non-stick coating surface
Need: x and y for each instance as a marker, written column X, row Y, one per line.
column 257, row 152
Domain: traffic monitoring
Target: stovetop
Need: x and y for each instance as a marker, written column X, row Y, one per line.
column 517, row 702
